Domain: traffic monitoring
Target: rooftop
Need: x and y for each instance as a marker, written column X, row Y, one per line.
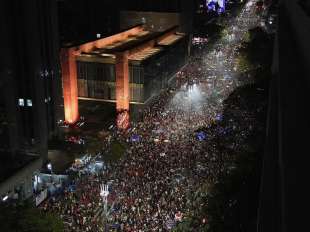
column 171, row 39
column 135, row 40
column 144, row 54
column 141, row 44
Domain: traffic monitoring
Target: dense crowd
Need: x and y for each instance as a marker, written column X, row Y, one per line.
column 152, row 184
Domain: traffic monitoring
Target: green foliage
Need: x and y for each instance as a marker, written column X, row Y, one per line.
column 221, row 211
column 117, row 149
column 224, row 33
column 247, row 37
column 244, row 64
column 25, row 218
column 255, row 52
column 213, row 30
column 93, row 146
column 116, row 152
column 258, row 49
column 34, row 220
column 184, row 226
column 191, row 224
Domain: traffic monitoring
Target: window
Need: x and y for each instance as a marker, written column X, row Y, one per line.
column 29, row 102
column 21, row 102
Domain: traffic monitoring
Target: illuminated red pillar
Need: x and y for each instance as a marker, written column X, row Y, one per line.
column 69, row 80
column 122, row 90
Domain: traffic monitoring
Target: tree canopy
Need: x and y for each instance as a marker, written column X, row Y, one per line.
column 26, row 218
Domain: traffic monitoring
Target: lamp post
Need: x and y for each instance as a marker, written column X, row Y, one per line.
column 50, row 168
column 104, row 192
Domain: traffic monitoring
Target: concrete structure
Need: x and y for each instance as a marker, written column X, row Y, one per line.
column 30, row 90
column 129, row 67
column 284, row 192
column 21, row 182
column 30, row 83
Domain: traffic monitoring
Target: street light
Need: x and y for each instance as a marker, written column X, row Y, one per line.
column 49, row 167
column 104, row 192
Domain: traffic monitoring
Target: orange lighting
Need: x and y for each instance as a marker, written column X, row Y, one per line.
column 152, row 43
column 69, row 71
column 167, row 34
column 142, row 47
column 122, row 120
column 122, row 89
column 69, row 80
column 100, row 43
column 122, row 81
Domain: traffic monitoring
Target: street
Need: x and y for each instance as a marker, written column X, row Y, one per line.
column 152, row 187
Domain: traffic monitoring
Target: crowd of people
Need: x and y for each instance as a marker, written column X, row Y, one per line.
column 150, row 187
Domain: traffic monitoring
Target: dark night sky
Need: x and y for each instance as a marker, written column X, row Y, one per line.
column 83, row 19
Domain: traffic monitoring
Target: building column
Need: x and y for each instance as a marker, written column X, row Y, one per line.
column 69, row 80
column 122, row 90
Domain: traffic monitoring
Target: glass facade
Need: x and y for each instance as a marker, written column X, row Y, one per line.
column 96, row 80
column 136, row 82
column 158, row 70
column 147, row 79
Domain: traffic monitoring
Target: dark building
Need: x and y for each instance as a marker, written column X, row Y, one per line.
column 180, row 10
column 81, row 20
column 284, row 191
column 150, row 5
column 30, row 83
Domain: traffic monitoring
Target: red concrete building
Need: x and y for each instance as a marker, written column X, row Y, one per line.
column 126, row 68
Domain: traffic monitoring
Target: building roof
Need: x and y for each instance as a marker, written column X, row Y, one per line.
column 133, row 42
column 79, row 43
column 171, row 39
column 144, row 54
column 141, row 43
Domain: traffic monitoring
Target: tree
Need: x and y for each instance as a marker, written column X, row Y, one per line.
column 244, row 64
column 93, row 146
column 255, row 53
column 26, row 218
column 258, row 47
